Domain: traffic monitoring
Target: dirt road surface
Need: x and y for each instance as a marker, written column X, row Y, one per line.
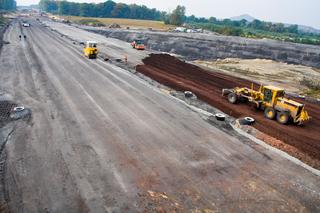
column 208, row 86
column 102, row 140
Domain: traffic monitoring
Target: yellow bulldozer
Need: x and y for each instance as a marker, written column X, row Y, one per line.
column 90, row 50
column 272, row 100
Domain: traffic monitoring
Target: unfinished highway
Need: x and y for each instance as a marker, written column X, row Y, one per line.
column 103, row 140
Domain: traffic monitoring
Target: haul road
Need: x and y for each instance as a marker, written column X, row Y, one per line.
column 102, row 140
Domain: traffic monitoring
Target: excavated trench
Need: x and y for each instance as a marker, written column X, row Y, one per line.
column 207, row 85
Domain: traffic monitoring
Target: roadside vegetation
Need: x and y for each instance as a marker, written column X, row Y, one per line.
column 255, row 29
column 7, row 5
column 108, row 9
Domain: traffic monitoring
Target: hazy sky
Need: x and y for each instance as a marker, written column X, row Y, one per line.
column 306, row 12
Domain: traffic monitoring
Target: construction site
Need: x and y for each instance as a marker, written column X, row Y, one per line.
column 129, row 120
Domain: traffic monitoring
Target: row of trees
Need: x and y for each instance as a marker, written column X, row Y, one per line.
column 108, row 9
column 256, row 24
column 254, row 29
column 8, row 5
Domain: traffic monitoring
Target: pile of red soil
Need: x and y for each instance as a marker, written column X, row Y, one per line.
column 207, row 85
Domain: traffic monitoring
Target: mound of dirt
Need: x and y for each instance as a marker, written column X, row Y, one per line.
column 207, row 85
column 114, row 26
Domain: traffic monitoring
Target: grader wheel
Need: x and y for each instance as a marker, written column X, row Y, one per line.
column 283, row 117
column 270, row 113
column 232, row 98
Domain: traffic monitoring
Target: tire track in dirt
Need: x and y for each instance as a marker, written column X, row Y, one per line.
column 207, row 85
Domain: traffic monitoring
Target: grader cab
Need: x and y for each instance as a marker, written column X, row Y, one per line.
column 272, row 100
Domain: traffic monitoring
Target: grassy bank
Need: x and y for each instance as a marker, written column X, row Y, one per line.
column 132, row 23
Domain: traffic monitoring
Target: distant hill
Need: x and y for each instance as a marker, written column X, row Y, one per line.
column 246, row 17
column 307, row 29
column 302, row 28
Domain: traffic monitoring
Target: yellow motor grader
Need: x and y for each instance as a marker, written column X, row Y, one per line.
column 270, row 99
column 90, row 50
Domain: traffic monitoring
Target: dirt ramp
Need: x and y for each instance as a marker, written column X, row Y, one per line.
column 207, row 85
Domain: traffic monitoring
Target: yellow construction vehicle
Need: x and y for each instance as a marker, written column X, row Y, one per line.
column 270, row 99
column 90, row 50
column 138, row 45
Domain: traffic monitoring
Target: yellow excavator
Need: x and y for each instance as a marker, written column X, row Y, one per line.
column 270, row 99
column 90, row 50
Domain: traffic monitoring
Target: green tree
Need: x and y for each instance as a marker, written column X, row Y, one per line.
column 85, row 10
column 293, row 29
column 74, row 9
column 212, row 20
column 242, row 23
column 63, row 7
column 49, row 6
column 121, row 11
column 106, row 9
column 256, row 24
column 8, row 4
column 178, row 16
